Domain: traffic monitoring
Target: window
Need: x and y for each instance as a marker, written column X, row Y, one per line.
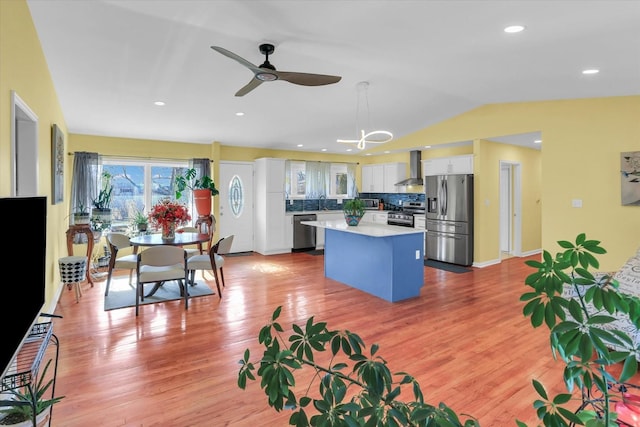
column 339, row 180
column 312, row 180
column 296, row 174
column 138, row 185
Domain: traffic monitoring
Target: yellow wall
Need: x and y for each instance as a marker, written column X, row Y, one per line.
column 580, row 159
column 487, row 158
column 23, row 69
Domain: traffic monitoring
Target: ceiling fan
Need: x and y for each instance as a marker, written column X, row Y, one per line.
column 268, row 73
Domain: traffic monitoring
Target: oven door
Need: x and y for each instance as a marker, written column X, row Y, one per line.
column 400, row 219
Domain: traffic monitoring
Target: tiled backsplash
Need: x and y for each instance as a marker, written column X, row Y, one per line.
column 391, row 201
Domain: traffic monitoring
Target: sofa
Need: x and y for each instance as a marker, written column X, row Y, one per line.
column 628, row 277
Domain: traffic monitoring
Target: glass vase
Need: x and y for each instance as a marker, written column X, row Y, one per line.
column 169, row 231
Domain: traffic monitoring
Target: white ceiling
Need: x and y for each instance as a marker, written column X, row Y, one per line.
column 425, row 61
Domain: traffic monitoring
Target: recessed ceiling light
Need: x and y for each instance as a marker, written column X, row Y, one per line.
column 591, row 71
column 324, row 149
column 159, row 103
column 514, row 29
column 239, row 113
column 368, row 154
column 387, row 152
column 349, row 149
column 537, row 141
column 427, row 146
column 300, row 145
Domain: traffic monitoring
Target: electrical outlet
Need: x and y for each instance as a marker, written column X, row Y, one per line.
column 339, row 201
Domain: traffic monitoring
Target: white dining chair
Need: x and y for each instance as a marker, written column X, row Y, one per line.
column 117, row 242
column 159, row 264
column 212, row 261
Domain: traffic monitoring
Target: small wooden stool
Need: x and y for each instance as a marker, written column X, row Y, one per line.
column 73, row 271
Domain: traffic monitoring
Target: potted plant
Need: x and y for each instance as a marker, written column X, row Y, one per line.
column 203, row 189
column 81, row 215
column 140, row 220
column 353, row 211
column 18, row 412
column 357, row 388
column 101, row 212
column 581, row 310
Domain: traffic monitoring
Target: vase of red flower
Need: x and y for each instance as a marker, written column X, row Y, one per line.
column 166, row 215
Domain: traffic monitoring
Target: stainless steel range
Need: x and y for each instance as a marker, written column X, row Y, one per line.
column 405, row 218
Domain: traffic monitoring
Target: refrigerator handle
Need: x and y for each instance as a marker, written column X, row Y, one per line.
column 445, row 198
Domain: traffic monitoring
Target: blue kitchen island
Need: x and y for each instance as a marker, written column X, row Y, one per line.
column 383, row 260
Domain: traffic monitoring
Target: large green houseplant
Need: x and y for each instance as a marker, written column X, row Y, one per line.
column 19, row 411
column 357, row 388
column 203, row 189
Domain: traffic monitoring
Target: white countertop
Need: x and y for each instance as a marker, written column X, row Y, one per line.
column 364, row 228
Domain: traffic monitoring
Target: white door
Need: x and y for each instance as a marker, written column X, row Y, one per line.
column 236, row 204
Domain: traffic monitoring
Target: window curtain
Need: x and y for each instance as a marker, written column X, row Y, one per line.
column 352, row 189
column 84, row 185
column 202, row 167
column 317, row 179
column 287, row 179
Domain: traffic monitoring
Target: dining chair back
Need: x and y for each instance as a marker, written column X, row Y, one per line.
column 117, row 242
column 159, row 264
column 213, row 261
column 191, row 251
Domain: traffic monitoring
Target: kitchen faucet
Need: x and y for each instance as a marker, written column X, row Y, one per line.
column 322, row 203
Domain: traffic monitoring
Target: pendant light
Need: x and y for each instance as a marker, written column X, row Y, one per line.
column 362, row 110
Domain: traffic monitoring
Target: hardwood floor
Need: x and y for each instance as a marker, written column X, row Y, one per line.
column 464, row 338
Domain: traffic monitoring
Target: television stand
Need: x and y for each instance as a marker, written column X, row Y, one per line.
column 25, row 366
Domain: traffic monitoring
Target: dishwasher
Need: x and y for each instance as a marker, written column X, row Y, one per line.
column 304, row 236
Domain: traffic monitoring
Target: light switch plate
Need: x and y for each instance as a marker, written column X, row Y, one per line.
column 418, row 254
column 576, row 203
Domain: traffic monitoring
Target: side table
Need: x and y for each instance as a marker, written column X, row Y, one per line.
column 86, row 230
column 206, row 225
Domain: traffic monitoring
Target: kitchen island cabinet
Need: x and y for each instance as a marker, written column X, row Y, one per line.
column 383, row 260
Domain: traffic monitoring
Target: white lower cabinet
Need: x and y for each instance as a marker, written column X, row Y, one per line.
column 420, row 222
column 377, row 217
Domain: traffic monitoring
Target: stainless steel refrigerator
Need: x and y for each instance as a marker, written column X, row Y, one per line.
column 449, row 218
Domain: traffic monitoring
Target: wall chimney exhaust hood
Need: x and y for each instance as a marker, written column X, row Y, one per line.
column 415, row 169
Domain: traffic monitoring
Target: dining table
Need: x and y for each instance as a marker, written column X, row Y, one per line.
column 156, row 239
column 180, row 239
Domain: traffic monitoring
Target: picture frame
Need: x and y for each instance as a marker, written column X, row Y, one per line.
column 57, row 165
column 630, row 178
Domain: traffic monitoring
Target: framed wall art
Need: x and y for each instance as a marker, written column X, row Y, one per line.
column 57, row 165
column 630, row 171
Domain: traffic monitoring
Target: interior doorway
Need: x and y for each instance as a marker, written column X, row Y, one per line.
column 24, row 149
column 510, row 208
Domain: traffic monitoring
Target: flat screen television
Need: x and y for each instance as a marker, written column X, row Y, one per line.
column 22, row 297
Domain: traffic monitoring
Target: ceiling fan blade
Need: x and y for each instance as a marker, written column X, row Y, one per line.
column 306, row 79
column 235, row 57
column 254, row 83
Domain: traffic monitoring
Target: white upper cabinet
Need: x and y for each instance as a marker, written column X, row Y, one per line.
column 448, row 165
column 382, row 177
column 394, row 173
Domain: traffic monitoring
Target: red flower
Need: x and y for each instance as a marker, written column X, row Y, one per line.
column 167, row 211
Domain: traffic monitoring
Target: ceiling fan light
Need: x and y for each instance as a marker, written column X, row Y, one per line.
column 266, row 77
